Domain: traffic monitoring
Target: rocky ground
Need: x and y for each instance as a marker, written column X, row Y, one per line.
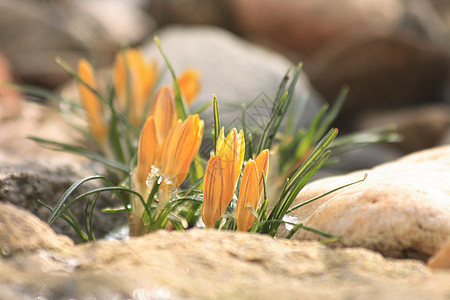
column 200, row 264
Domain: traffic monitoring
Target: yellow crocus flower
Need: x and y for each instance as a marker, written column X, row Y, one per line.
column 180, row 148
column 170, row 159
column 252, row 187
column 91, row 103
column 221, row 175
column 212, row 191
column 262, row 162
column 142, row 77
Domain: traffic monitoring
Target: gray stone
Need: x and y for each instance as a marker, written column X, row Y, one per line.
column 422, row 127
column 24, row 185
column 35, row 32
column 236, row 71
column 383, row 73
column 29, row 172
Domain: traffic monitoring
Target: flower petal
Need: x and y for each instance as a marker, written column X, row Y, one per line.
column 189, row 83
column 179, row 148
column 164, row 112
column 248, row 197
column 220, row 141
column 91, row 103
column 262, row 163
column 147, row 149
column 212, row 191
column 130, row 68
column 241, row 147
column 120, row 76
column 230, row 165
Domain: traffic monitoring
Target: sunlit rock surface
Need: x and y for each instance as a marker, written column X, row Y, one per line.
column 203, row 264
column 402, row 209
column 21, row 231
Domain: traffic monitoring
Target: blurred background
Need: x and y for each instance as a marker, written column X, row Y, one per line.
column 393, row 54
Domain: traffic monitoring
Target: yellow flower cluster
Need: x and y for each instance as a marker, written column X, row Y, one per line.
column 134, row 83
column 221, row 175
column 166, row 148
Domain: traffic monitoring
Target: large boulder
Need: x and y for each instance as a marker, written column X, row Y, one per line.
column 390, row 53
column 30, row 172
column 402, row 209
column 21, row 231
column 383, row 73
column 35, row 32
column 421, row 127
column 236, row 71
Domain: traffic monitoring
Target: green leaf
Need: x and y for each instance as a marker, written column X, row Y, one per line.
column 333, row 112
column 294, row 184
column 363, row 138
column 114, row 135
column 61, row 205
column 216, row 122
column 179, row 103
column 271, row 128
column 57, row 146
column 325, row 194
column 280, row 107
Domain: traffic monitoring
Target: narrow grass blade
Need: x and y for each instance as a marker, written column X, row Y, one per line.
column 216, row 124
column 62, row 201
column 281, row 105
column 325, row 194
column 203, row 108
column 179, row 103
column 57, row 146
column 268, row 135
column 114, row 135
column 62, row 206
column 364, row 138
column 333, row 112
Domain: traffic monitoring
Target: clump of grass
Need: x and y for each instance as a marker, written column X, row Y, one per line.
column 156, row 151
column 115, row 115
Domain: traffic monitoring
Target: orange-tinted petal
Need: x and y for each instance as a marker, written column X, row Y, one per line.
column 230, row 166
column 220, row 141
column 241, row 149
column 164, row 112
column 262, row 163
column 189, row 83
column 120, row 79
column 141, row 80
column 131, row 68
column 91, row 103
column 212, row 191
column 184, row 169
column 135, row 65
column 147, row 149
column 248, row 197
column 180, row 146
